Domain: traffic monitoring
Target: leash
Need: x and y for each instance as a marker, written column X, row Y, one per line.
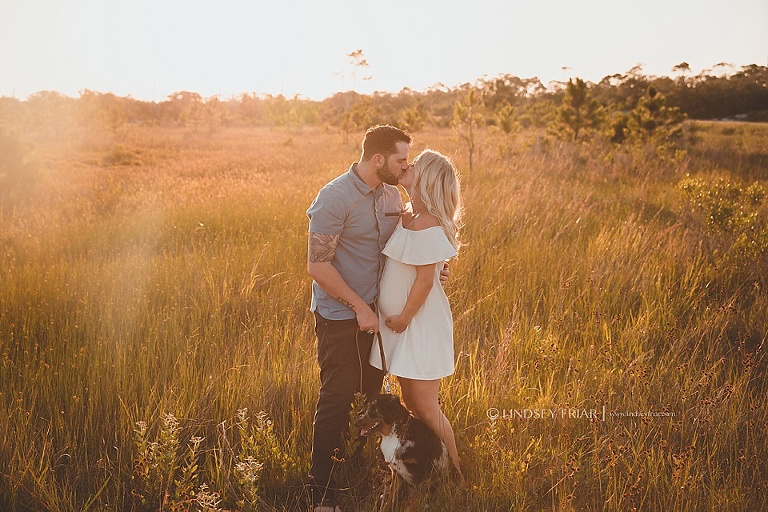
column 387, row 388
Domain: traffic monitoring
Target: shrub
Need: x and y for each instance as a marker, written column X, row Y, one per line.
column 732, row 220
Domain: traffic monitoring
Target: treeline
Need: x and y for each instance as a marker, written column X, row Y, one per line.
column 741, row 94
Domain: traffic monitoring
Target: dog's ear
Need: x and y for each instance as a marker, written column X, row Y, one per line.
column 391, row 406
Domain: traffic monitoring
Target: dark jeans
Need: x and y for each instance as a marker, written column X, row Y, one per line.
column 342, row 352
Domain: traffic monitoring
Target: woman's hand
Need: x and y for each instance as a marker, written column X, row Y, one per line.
column 445, row 273
column 396, row 323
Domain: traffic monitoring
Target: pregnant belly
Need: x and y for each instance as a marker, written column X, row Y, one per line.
column 396, row 282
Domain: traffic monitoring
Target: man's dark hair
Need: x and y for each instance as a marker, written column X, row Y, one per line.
column 382, row 140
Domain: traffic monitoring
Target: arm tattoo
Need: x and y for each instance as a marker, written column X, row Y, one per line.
column 345, row 302
column 322, row 248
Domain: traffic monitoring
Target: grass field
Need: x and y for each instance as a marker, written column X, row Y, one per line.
column 154, row 299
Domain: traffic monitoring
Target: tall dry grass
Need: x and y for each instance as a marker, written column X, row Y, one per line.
column 153, row 293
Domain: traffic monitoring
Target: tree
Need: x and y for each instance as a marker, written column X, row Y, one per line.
column 577, row 113
column 683, row 67
column 509, row 89
column 618, row 126
column 213, row 113
column 186, row 107
column 506, row 120
column 356, row 59
column 359, row 62
column 250, row 108
column 652, row 119
column 114, row 116
column 622, row 90
column 50, row 111
column 413, row 118
column 361, row 115
column 466, row 120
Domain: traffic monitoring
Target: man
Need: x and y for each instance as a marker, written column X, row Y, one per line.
column 350, row 221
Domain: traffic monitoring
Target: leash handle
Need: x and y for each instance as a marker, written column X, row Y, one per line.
column 383, row 363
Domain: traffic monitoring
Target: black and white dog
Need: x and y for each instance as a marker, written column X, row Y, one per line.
column 412, row 449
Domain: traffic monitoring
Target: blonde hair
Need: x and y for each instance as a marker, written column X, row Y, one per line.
column 437, row 183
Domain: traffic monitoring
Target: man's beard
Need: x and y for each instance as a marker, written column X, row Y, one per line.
column 386, row 176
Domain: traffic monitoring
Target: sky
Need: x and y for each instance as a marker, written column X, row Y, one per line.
column 149, row 49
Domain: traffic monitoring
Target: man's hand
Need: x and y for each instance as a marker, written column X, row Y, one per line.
column 445, row 273
column 322, row 249
column 396, row 323
column 367, row 320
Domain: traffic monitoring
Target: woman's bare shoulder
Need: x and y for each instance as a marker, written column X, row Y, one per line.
column 423, row 221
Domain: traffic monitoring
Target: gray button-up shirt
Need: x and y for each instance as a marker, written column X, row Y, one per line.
column 364, row 219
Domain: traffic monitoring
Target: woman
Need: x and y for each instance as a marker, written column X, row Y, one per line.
column 414, row 314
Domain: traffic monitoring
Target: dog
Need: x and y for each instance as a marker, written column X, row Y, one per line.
column 413, row 451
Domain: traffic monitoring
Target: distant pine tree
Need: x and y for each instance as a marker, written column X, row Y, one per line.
column 466, row 121
column 652, row 119
column 505, row 119
column 578, row 112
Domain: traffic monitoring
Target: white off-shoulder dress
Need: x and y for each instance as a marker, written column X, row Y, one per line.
column 424, row 350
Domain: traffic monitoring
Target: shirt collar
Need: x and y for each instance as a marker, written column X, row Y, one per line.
column 358, row 181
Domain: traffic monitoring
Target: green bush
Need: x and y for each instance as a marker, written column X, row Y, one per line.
column 732, row 220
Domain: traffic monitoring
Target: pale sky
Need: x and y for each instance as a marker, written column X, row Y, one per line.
column 151, row 48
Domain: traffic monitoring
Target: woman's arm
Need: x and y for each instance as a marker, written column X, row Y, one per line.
column 425, row 276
